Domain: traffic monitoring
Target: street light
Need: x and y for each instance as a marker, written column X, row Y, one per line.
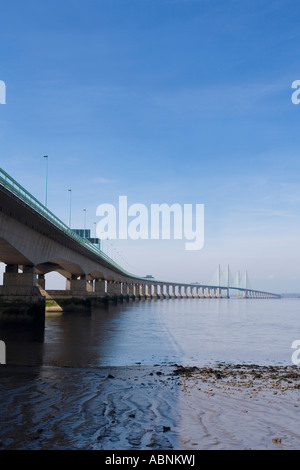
column 70, row 191
column 46, row 191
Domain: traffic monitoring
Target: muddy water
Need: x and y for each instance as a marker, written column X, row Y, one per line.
column 186, row 331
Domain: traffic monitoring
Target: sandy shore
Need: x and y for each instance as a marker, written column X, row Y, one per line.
column 150, row 407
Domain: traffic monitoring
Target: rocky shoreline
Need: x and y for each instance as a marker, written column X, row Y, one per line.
column 246, row 375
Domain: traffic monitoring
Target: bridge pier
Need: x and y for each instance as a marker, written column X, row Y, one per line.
column 137, row 291
column 167, row 293
column 41, row 282
column 114, row 290
column 143, row 291
column 149, row 291
column 100, row 288
column 161, row 291
column 90, row 285
column 77, row 286
column 125, row 290
column 20, row 297
column 172, row 291
column 130, row 290
column 77, row 295
column 154, row 293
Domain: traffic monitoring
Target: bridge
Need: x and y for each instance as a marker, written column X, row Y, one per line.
column 34, row 242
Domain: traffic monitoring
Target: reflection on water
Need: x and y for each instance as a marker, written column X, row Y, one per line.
column 186, row 331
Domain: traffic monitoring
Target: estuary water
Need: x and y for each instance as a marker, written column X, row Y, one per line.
column 183, row 331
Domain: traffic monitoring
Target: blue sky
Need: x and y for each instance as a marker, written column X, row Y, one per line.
column 163, row 101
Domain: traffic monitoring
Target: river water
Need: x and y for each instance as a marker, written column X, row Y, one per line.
column 182, row 331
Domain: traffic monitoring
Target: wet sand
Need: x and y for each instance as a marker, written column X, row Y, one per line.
column 150, row 407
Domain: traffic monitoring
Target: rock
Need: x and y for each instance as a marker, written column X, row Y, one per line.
column 276, row 440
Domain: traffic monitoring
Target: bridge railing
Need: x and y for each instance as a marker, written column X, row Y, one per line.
column 14, row 187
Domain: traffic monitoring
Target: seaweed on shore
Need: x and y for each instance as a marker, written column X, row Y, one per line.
column 243, row 373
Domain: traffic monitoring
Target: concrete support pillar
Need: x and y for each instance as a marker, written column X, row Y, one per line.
column 100, row 288
column 41, row 282
column 20, row 298
column 12, row 277
column 125, row 289
column 171, row 291
column 137, row 290
column 167, row 295
column 162, row 294
column 11, row 268
column 154, row 293
column 77, row 286
column 90, row 285
column 114, row 289
column 149, row 291
column 19, row 282
column 131, row 290
column 143, row 290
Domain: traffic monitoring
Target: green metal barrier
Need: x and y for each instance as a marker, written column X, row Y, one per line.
column 14, row 187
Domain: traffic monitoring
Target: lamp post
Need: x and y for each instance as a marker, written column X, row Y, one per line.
column 46, row 190
column 70, row 191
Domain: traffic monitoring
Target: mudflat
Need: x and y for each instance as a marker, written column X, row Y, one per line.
column 150, row 407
